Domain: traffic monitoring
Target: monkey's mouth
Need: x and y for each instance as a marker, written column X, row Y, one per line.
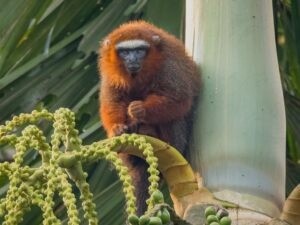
column 133, row 69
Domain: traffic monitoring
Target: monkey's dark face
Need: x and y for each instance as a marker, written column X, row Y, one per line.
column 132, row 53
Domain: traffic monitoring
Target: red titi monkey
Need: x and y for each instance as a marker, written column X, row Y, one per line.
column 148, row 86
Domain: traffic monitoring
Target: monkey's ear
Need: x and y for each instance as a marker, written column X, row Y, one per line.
column 105, row 42
column 156, row 39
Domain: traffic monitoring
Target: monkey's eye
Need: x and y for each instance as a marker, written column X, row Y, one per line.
column 123, row 53
column 141, row 52
column 135, row 53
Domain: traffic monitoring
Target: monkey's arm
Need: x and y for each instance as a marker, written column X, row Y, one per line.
column 159, row 109
column 113, row 117
column 113, row 111
column 172, row 94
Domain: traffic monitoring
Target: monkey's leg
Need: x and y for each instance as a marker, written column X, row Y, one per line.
column 138, row 171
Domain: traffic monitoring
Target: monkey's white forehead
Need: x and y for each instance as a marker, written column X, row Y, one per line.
column 134, row 43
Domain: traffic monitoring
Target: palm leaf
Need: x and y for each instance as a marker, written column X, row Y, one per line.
column 48, row 54
column 287, row 19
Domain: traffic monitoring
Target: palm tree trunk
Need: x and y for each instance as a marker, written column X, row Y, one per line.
column 239, row 141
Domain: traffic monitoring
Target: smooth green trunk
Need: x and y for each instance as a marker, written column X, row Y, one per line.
column 239, row 141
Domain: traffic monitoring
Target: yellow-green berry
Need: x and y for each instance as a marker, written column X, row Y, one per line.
column 133, row 219
column 144, row 220
column 157, row 197
column 165, row 216
column 214, row 223
column 225, row 221
column 158, row 213
column 212, row 218
column 210, row 210
column 155, row 221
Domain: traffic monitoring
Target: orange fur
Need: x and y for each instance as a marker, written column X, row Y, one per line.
column 115, row 75
column 158, row 101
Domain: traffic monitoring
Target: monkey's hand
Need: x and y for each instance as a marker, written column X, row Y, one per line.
column 137, row 111
column 118, row 129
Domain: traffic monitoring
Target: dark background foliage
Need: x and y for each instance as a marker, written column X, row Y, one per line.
column 287, row 26
column 48, row 59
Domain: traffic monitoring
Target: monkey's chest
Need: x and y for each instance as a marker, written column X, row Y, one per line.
column 135, row 95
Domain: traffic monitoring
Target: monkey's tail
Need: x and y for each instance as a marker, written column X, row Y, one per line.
column 138, row 171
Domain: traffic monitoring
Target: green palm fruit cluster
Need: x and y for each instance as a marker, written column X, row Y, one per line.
column 216, row 216
column 61, row 163
column 160, row 217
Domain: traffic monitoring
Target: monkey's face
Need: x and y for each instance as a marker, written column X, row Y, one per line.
column 132, row 54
